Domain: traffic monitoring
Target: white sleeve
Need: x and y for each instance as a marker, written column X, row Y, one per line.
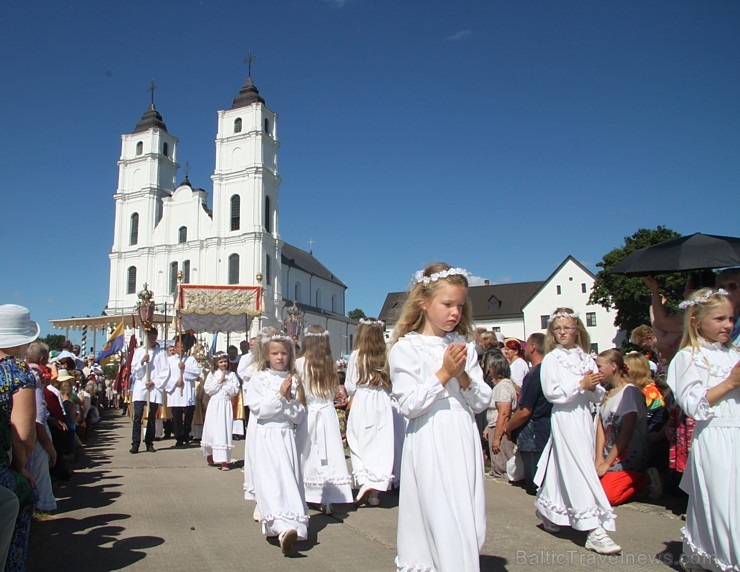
column 264, row 403
column 352, row 377
column 231, row 385
column 162, row 369
column 243, row 370
column 415, row 395
column 685, row 380
column 211, row 385
column 192, row 369
column 478, row 394
column 560, row 388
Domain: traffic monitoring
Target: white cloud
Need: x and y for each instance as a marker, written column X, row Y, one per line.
column 461, row 35
column 476, row 280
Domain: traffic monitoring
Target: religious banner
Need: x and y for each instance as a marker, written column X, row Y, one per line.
column 218, row 308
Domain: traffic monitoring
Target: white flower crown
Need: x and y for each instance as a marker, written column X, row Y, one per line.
column 307, row 334
column 276, row 338
column 419, row 277
column 556, row 315
column 366, row 322
column 703, row 298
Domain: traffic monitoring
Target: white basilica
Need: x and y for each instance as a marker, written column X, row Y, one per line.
column 162, row 228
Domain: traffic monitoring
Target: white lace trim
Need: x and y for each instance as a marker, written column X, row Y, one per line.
column 320, row 482
column 268, row 519
column 216, row 447
column 584, row 364
column 371, row 477
column 705, row 556
column 704, row 362
column 427, row 344
column 406, row 567
column 593, row 511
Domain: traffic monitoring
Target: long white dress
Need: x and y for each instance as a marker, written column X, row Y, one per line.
column 326, row 479
column 370, row 432
column 216, row 439
column 247, row 368
column 570, row 492
column 442, row 509
column 276, row 474
column 712, row 473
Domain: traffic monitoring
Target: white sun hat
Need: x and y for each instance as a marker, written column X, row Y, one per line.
column 16, row 326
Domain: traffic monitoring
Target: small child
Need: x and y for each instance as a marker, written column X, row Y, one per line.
column 275, row 399
column 325, row 476
column 439, row 387
column 370, row 429
column 221, row 385
column 621, row 434
column 705, row 378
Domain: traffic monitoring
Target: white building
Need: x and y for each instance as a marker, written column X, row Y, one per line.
column 162, row 227
column 520, row 309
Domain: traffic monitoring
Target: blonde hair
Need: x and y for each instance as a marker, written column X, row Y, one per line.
column 638, row 369
column 321, row 373
column 413, row 315
column 372, row 365
column 702, row 302
column 583, row 340
column 264, row 360
column 641, row 334
column 614, row 356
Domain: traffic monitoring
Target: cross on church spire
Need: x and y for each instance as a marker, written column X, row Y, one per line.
column 152, row 88
column 248, row 60
column 187, row 169
column 310, row 245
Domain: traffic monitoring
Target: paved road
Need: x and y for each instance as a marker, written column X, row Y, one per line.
column 169, row 511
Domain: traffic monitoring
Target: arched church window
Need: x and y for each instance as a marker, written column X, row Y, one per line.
column 139, row 148
column 186, row 272
column 131, row 280
column 182, row 234
column 234, row 269
column 297, row 289
column 318, row 298
column 268, row 274
column 134, row 230
column 165, row 149
column 238, row 125
column 268, row 226
column 173, row 277
column 235, row 207
column 267, row 125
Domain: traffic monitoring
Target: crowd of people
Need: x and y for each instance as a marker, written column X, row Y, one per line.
column 430, row 412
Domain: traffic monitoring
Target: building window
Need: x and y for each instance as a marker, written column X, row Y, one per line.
column 173, row 277
column 544, row 322
column 297, row 292
column 139, row 148
column 267, row 215
column 235, row 208
column 496, row 329
column 182, row 234
column 318, row 298
column 583, row 287
column 558, row 289
column 595, row 348
column 234, row 269
column 590, row 318
column 267, row 125
column 333, row 302
column 238, row 125
column 134, row 234
column 165, row 148
column 186, row 272
column 131, row 280
column 268, row 274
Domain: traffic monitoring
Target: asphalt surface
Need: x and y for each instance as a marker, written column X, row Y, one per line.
column 170, row 511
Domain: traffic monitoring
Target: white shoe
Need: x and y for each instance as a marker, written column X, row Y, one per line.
column 373, row 499
column 601, row 543
column 655, row 487
column 547, row 524
column 327, row 508
column 362, row 495
column 256, row 515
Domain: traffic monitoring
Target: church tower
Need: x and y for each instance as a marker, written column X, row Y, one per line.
column 245, row 194
column 146, row 174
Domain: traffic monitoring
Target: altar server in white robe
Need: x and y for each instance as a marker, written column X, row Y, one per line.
column 151, row 372
column 439, row 387
column 184, row 372
column 570, row 492
column 705, row 378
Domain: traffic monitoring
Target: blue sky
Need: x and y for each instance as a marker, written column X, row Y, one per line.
column 501, row 136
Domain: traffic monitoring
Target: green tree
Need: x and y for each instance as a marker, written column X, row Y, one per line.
column 356, row 314
column 629, row 295
column 54, row 341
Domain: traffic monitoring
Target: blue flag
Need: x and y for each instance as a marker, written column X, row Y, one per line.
column 112, row 346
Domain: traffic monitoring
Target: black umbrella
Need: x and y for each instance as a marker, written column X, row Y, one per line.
column 694, row 252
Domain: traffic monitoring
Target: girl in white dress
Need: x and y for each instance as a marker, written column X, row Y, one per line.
column 570, row 492
column 276, row 400
column 326, row 479
column 439, row 386
column 221, row 385
column 370, row 428
column 705, row 378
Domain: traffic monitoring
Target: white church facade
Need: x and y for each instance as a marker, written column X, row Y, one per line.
column 163, row 228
